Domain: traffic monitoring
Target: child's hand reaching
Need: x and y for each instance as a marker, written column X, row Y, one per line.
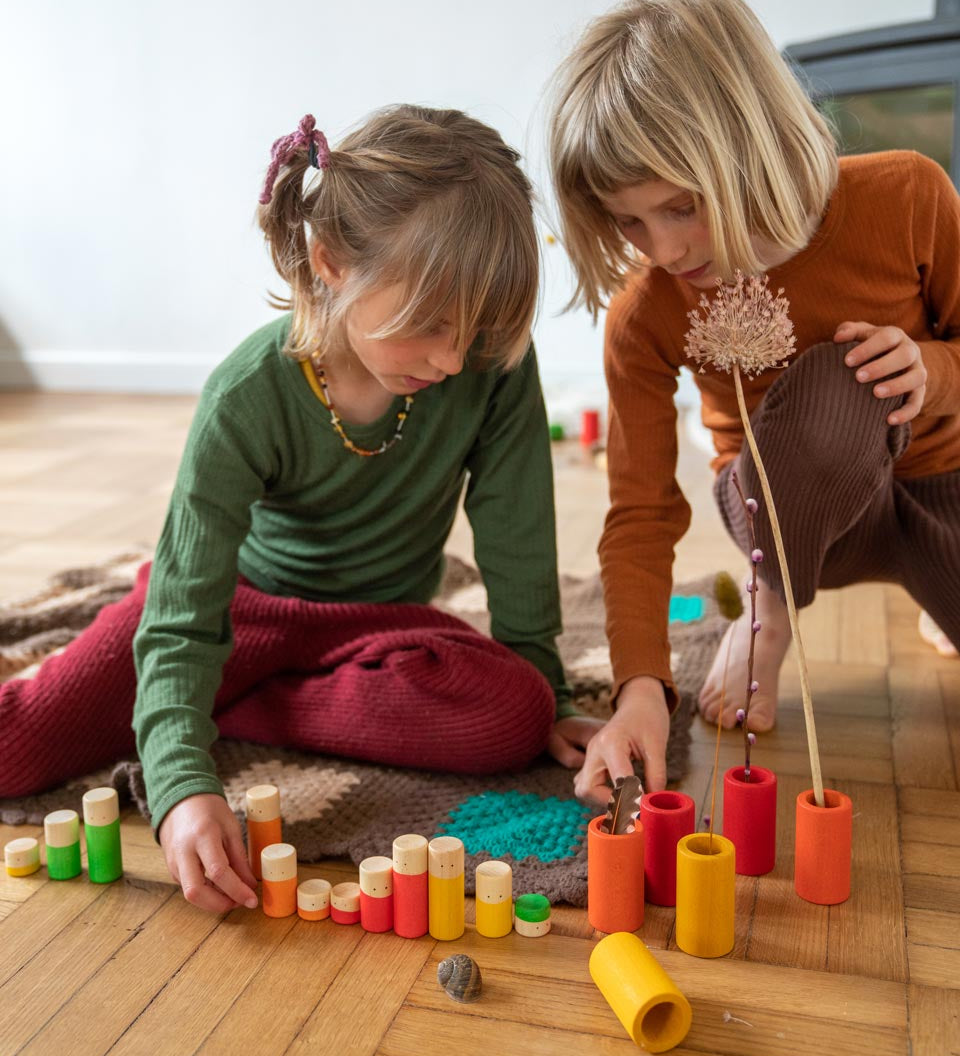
column 204, row 849
column 638, row 730
column 569, row 738
column 884, row 351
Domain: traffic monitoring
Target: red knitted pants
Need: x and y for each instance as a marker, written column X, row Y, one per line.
column 405, row 685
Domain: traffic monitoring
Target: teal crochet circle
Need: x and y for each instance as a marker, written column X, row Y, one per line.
column 519, row 824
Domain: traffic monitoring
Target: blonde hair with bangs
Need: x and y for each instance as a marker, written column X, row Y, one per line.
column 692, row 92
column 430, row 200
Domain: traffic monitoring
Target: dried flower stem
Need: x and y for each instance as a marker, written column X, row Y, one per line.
column 788, row 594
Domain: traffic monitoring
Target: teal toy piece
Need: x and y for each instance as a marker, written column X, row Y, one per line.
column 685, row 609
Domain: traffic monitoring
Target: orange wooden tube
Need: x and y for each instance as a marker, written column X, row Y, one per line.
column 263, row 822
column 313, row 899
column 280, row 897
column 278, row 864
column 823, row 848
column 614, row 878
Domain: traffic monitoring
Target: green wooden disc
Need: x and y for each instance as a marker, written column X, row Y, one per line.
column 532, row 908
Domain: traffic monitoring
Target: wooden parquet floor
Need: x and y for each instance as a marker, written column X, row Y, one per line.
column 132, row 968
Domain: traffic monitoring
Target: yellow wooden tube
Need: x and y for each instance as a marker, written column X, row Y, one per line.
column 705, row 894
column 445, row 887
column 494, row 899
column 22, row 856
column 645, row 999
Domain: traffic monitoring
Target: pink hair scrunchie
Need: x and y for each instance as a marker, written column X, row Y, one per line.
column 283, row 149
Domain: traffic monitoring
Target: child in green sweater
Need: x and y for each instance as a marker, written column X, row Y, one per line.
column 288, row 598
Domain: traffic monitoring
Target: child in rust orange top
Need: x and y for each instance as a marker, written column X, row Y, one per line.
column 679, row 132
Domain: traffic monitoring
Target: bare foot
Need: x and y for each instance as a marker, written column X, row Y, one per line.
column 772, row 643
column 931, row 633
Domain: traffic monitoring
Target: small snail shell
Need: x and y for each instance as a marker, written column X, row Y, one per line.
column 459, row 975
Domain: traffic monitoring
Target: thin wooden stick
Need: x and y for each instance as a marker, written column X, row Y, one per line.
column 716, row 752
column 788, row 595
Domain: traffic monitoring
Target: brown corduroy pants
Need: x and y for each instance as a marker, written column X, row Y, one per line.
column 829, row 454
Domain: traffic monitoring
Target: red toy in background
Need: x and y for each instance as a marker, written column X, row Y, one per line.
column 589, row 428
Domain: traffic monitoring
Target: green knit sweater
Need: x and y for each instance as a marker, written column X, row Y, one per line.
column 266, row 488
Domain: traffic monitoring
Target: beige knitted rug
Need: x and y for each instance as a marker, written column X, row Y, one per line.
column 335, row 807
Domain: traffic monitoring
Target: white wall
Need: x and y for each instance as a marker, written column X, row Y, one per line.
column 134, row 138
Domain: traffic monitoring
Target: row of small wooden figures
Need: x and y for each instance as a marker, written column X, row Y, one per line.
column 420, row 889
column 61, row 834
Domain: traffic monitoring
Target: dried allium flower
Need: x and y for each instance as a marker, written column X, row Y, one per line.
column 745, row 325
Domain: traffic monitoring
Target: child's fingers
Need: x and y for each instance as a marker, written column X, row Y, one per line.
column 867, row 354
column 606, row 757
column 236, row 851
column 591, row 784
column 592, row 780
column 599, row 794
column 197, row 891
column 910, row 408
column 237, row 856
column 564, row 752
column 908, row 381
column 619, row 761
column 851, row 331
column 654, row 771
column 219, row 871
column 890, row 361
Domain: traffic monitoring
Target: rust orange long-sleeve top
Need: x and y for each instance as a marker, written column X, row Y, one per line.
column 887, row 252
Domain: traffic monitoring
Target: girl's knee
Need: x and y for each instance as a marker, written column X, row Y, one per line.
column 826, row 420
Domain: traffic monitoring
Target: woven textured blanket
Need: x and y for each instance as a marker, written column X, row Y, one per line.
column 340, row 807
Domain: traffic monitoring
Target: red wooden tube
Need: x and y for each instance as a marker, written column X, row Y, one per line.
column 411, row 916
column 345, row 903
column 376, row 914
column 589, row 427
column 411, row 910
column 750, row 818
column 376, row 893
column 667, row 817
column 614, row 878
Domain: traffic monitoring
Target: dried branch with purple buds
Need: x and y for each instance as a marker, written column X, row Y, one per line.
column 753, row 585
column 746, row 331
